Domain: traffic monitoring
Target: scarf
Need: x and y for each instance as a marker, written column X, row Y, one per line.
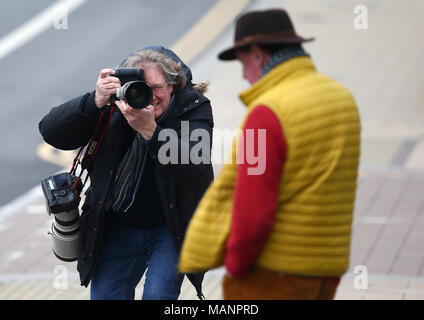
column 283, row 55
column 130, row 170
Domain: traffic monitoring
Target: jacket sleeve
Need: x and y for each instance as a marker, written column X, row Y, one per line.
column 255, row 195
column 70, row 125
column 188, row 155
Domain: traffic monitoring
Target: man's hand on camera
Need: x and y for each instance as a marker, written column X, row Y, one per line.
column 141, row 120
column 105, row 87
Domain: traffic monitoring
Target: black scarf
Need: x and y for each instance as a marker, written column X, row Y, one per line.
column 130, row 170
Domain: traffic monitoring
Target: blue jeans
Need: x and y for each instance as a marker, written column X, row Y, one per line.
column 125, row 255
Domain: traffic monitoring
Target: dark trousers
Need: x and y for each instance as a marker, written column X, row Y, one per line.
column 125, row 255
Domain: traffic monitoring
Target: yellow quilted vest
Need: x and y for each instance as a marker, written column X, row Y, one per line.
column 312, row 232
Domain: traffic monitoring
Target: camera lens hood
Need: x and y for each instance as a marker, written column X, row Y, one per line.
column 137, row 94
column 65, row 243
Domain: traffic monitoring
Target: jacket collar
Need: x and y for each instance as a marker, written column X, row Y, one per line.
column 276, row 75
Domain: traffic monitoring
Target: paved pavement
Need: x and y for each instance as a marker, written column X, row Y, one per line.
column 382, row 67
column 387, row 240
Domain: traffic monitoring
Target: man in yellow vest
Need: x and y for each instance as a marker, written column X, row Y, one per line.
column 281, row 225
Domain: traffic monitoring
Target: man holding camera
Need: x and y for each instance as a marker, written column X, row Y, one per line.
column 137, row 207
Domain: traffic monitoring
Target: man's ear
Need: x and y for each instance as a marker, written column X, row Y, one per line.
column 259, row 55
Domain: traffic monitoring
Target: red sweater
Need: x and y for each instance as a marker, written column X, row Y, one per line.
column 256, row 195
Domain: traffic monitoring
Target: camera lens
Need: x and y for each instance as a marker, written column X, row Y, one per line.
column 137, row 94
column 65, row 235
column 133, row 92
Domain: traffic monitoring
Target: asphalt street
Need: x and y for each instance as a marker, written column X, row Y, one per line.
column 60, row 64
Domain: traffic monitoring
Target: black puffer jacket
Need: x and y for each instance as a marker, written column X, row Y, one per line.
column 181, row 186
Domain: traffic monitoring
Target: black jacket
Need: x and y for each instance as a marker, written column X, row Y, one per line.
column 181, row 186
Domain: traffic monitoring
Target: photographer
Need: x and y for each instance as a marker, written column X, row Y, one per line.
column 137, row 208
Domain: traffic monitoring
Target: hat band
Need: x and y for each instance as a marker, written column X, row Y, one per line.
column 256, row 37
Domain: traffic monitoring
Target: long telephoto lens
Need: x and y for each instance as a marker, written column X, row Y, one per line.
column 65, row 235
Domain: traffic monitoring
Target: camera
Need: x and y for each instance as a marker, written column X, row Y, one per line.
column 134, row 90
column 62, row 200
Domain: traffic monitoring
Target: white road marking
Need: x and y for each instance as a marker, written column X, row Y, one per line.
column 36, row 209
column 35, row 26
column 16, row 255
column 20, row 203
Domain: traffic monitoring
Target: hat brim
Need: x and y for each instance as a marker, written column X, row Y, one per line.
column 230, row 54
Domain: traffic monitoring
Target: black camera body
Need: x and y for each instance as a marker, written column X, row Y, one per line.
column 129, row 74
column 59, row 193
column 62, row 200
column 134, row 90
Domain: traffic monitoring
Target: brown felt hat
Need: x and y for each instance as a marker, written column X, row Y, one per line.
column 271, row 26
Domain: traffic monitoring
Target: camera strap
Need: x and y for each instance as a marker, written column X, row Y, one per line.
column 91, row 148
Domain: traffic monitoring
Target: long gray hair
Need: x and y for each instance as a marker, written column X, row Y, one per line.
column 172, row 71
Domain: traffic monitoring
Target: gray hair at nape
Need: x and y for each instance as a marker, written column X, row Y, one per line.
column 171, row 70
